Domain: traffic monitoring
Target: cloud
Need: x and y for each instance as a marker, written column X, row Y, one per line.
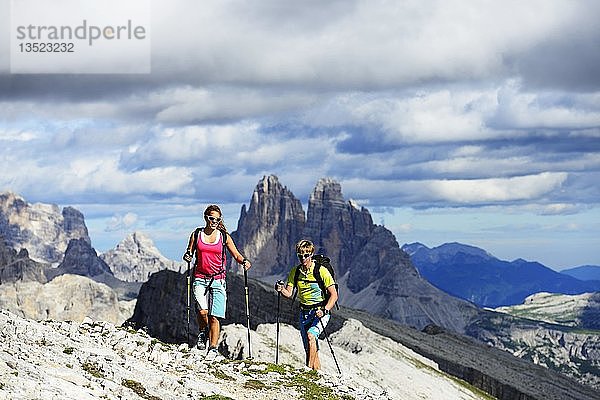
column 194, row 105
column 91, row 178
column 551, row 111
column 496, row 190
column 121, row 222
column 452, row 193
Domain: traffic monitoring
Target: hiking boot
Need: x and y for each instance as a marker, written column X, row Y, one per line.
column 212, row 355
column 202, row 338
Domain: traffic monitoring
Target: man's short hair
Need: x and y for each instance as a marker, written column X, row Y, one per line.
column 305, row 244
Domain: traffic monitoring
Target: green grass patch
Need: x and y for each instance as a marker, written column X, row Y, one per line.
column 215, row 397
column 277, row 368
column 306, row 384
column 217, row 373
column 138, row 389
column 254, row 384
column 92, row 369
column 68, row 350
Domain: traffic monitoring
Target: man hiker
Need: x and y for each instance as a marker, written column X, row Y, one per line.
column 209, row 287
column 315, row 304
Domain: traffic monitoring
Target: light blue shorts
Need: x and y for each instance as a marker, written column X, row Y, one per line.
column 215, row 299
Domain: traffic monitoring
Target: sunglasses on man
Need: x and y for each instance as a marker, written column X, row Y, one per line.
column 303, row 256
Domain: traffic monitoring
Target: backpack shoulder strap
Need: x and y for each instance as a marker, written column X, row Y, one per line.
column 224, row 236
column 295, row 288
column 191, row 248
column 318, row 276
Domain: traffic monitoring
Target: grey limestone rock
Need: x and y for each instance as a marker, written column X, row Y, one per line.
column 43, row 229
column 136, row 258
column 269, row 228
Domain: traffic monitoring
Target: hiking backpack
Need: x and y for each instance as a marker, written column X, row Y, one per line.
column 321, row 261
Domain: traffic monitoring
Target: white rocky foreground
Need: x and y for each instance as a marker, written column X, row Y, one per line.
column 96, row 360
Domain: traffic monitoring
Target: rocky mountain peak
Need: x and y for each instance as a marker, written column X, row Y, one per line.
column 80, row 259
column 374, row 274
column 43, row 229
column 136, row 258
column 269, row 228
column 336, row 226
column 328, row 190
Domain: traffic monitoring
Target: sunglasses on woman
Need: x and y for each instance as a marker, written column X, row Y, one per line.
column 303, row 256
column 214, row 219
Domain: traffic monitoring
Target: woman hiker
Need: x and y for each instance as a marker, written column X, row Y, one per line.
column 209, row 276
column 314, row 308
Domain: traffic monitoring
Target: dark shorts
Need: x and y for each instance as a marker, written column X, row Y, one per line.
column 310, row 323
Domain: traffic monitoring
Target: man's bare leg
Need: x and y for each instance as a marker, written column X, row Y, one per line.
column 313, row 354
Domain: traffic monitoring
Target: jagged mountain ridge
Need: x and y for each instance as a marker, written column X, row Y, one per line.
column 373, row 272
column 475, row 275
column 136, row 257
column 273, row 216
column 43, row 229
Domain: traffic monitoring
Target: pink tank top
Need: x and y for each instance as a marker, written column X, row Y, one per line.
column 211, row 258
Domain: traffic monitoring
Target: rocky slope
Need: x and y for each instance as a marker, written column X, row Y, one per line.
column 43, row 229
column 373, row 272
column 96, row 360
column 580, row 311
column 136, row 257
column 161, row 310
column 475, row 275
column 571, row 351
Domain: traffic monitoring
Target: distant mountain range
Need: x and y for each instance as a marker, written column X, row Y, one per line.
column 473, row 274
column 584, row 273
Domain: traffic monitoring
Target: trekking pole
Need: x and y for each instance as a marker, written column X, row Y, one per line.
column 277, row 342
column 247, row 312
column 330, row 347
column 188, row 303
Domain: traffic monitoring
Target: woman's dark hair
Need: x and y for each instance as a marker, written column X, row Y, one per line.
column 214, row 207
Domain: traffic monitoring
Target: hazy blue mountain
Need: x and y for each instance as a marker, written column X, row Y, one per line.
column 584, row 272
column 473, row 274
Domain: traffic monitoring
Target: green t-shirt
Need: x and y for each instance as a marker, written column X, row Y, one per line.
column 309, row 292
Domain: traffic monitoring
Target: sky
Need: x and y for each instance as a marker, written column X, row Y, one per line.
column 450, row 121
